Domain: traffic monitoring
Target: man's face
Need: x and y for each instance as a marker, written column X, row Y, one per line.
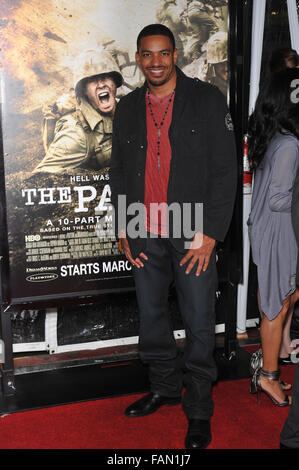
column 173, row 11
column 157, row 58
column 100, row 91
column 221, row 69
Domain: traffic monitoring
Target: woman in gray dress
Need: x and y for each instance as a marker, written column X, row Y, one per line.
column 274, row 155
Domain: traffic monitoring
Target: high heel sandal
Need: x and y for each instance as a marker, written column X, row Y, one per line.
column 255, row 386
column 256, row 362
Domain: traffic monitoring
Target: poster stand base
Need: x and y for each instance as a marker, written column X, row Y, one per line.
column 94, row 381
column 75, row 384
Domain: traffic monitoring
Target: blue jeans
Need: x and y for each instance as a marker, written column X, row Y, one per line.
column 168, row 371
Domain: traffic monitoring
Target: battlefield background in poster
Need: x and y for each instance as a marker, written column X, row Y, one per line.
column 55, row 244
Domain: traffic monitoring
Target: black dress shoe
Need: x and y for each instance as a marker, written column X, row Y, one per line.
column 199, row 434
column 149, row 404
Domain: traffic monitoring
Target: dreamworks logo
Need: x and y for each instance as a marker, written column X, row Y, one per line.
column 295, row 92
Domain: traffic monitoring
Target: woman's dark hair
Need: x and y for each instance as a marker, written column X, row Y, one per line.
column 276, row 110
column 283, row 58
column 155, row 29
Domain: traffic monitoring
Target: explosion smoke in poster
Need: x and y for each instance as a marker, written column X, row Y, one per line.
column 57, row 131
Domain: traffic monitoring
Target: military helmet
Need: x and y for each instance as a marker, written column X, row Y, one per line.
column 92, row 63
column 217, row 48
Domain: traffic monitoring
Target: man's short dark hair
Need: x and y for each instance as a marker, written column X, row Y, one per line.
column 155, row 30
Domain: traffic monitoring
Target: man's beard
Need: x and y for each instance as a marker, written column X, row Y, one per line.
column 159, row 83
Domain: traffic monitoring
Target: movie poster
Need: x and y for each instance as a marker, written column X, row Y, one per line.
column 57, row 129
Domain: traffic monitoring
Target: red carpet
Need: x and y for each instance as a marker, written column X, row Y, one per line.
column 238, row 423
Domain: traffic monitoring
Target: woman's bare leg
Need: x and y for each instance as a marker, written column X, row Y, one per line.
column 286, row 347
column 271, row 335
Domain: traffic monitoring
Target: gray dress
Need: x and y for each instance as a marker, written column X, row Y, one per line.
column 295, row 218
column 273, row 243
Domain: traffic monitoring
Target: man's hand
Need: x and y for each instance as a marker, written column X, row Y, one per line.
column 137, row 262
column 199, row 252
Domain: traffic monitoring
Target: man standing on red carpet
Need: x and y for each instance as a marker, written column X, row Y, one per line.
column 173, row 147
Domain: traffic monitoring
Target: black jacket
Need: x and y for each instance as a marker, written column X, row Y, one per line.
column 203, row 166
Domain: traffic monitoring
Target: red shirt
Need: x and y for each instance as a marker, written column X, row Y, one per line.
column 156, row 182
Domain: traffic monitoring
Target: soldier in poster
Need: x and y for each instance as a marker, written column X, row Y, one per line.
column 82, row 134
column 217, row 59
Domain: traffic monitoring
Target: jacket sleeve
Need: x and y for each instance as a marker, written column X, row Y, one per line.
column 282, row 178
column 68, row 149
column 116, row 172
column 222, row 164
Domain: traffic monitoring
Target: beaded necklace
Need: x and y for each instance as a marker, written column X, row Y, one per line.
column 158, row 126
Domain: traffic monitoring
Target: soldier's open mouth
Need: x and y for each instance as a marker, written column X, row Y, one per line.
column 104, row 96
